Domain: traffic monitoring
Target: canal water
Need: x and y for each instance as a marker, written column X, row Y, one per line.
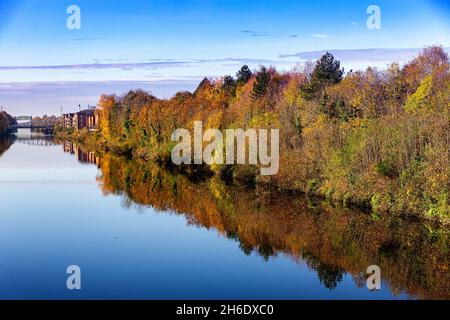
column 138, row 231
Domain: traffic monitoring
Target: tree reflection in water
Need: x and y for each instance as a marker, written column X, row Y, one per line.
column 5, row 143
column 333, row 241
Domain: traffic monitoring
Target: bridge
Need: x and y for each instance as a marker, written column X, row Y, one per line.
column 40, row 141
column 24, row 118
column 28, row 125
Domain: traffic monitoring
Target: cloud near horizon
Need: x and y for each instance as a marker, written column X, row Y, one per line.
column 48, row 97
column 366, row 55
column 153, row 64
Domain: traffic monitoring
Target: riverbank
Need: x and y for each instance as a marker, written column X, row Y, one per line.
column 230, row 176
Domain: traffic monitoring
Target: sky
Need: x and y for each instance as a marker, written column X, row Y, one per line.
column 164, row 46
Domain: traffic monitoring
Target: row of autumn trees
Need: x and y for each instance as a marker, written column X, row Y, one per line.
column 375, row 137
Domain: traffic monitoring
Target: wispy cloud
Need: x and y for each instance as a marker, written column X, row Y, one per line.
column 152, row 64
column 376, row 55
column 126, row 66
column 319, row 35
column 256, row 33
column 89, row 39
column 267, row 34
column 237, row 60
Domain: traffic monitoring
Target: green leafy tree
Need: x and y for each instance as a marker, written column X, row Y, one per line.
column 243, row 75
column 326, row 72
column 419, row 101
column 261, row 84
column 229, row 85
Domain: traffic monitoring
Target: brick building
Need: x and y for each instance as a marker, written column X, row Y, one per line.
column 84, row 119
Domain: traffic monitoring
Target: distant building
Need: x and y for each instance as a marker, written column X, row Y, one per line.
column 93, row 120
column 84, row 119
column 68, row 120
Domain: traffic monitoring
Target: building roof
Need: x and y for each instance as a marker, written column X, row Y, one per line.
column 88, row 112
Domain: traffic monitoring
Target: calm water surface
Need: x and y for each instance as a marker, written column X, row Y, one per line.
column 138, row 232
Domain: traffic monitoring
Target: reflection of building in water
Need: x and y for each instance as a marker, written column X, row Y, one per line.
column 83, row 157
column 86, row 157
column 69, row 147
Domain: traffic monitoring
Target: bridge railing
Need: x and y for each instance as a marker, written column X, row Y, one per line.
column 23, row 118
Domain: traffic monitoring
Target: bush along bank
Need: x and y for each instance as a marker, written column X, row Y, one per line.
column 6, row 122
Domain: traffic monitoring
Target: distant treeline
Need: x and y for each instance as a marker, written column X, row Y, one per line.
column 45, row 121
column 378, row 138
column 6, row 121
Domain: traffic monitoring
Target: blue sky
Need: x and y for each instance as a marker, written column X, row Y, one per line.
column 163, row 40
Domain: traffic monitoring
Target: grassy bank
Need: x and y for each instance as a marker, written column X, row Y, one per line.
column 378, row 139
